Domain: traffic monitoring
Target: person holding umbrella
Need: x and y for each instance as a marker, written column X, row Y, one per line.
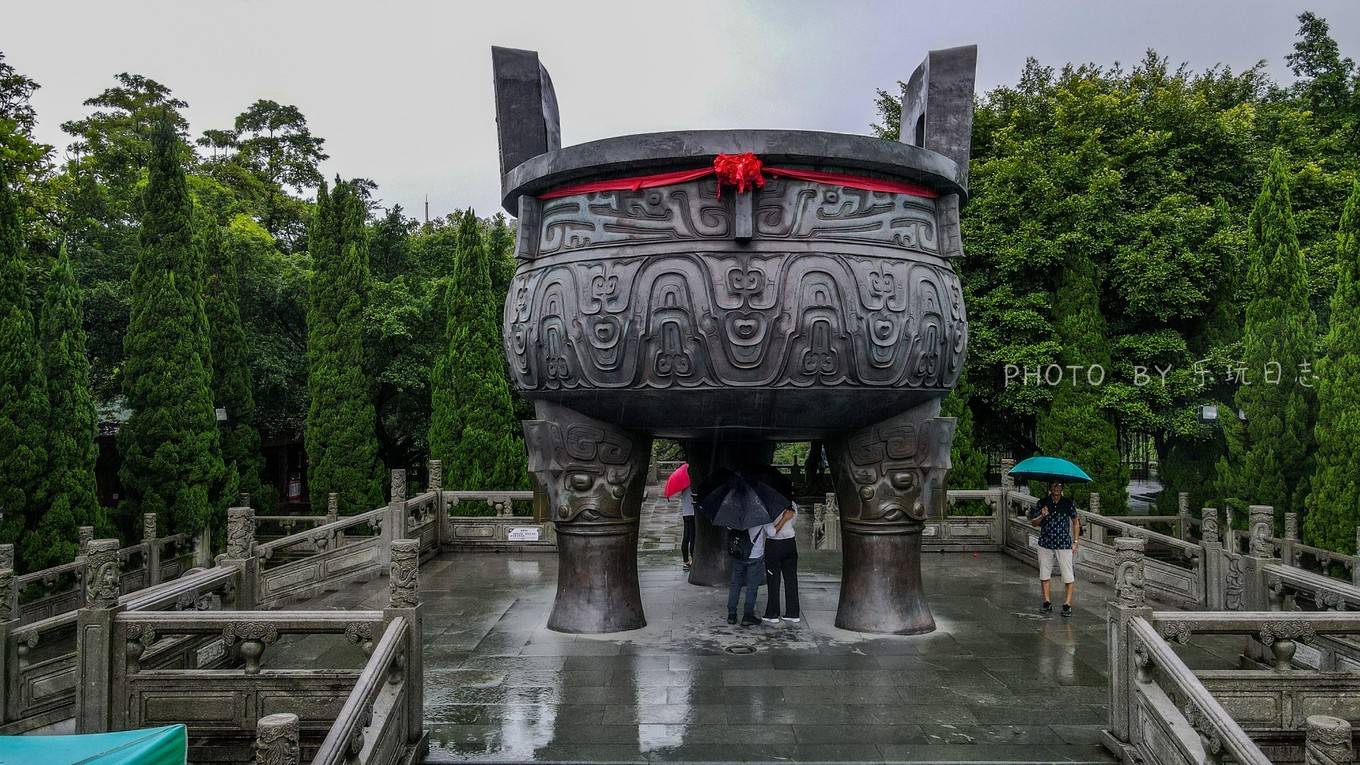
column 679, row 483
column 1058, row 522
column 744, row 501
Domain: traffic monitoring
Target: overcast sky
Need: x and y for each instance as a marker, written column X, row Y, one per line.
column 401, row 91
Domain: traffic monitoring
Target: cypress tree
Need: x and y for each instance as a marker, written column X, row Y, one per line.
column 472, row 426
column 172, row 460
column 23, row 393
column 231, row 369
column 1271, row 456
column 342, row 444
column 968, row 468
column 71, row 500
column 1074, row 426
column 1334, row 504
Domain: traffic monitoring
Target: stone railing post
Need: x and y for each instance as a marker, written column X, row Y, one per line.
column 1327, row 741
column 1261, row 550
column 278, row 740
column 1130, row 603
column 831, row 515
column 1288, row 552
column 394, row 525
column 1215, row 564
column 1097, row 533
column 203, row 557
column 84, row 535
column 9, row 621
column 404, row 600
column 435, row 468
column 1183, row 514
column 151, row 549
column 653, row 473
column 1007, row 483
column 95, row 695
column 1355, row 565
column 332, row 507
column 241, row 554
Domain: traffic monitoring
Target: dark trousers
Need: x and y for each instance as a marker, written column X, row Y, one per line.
column 750, row 574
column 781, row 562
column 687, row 541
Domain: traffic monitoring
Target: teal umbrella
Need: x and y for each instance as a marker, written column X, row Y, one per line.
column 149, row 746
column 1050, row 469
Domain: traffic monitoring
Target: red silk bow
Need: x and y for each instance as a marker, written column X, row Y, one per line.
column 747, row 173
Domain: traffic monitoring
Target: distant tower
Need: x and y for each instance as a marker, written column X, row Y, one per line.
column 427, row 209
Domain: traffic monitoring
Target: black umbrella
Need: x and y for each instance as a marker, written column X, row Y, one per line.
column 744, row 499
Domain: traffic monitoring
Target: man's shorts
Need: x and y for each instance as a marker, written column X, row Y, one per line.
column 1064, row 558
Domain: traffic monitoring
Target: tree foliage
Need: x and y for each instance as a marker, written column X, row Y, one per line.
column 171, row 454
column 342, row 450
column 472, row 428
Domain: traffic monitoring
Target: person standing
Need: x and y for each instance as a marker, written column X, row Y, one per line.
column 781, row 563
column 1059, row 531
column 687, row 518
column 747, row 547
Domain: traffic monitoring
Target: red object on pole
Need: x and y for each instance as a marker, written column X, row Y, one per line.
column 747, row 173
column 678, row 481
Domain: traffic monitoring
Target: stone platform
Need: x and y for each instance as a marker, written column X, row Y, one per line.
column 996, row 682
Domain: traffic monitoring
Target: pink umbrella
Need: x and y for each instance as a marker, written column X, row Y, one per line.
column 678, row 481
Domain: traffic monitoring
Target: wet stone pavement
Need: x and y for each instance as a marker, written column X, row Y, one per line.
column 995, row 682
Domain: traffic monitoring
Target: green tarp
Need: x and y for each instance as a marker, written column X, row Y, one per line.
column 151, row 746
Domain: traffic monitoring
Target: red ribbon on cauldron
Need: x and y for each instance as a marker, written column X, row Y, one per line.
column 745, row 172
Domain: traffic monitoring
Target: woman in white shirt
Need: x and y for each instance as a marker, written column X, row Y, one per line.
column 781, row 562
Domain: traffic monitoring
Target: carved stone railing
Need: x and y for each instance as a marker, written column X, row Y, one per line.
column 966, row 533
column 378, row 703
column 38, row 659
column 324, row 557
column 504, row 531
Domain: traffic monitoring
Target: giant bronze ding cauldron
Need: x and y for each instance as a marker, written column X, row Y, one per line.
column 800, row 309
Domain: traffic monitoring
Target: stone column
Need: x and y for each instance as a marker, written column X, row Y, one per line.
column 394, row 524
column 594, row 474
column 1215, row 565
column 332, row 507
column 9, row 621
column 241, row 553
column 1327, row 741
column 1130, row 602
column 403, row 600
column 1183, row 513
column 1097, row 532
column 889, row 478
column 1288, row 552
column 85, row 534
column 151, row 549
column 103, row 576
column 1355, row 567
column 277, row 740
column 435, row 469
column 9, row 597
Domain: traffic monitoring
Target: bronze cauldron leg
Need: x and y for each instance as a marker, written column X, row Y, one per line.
column 889, row 478
column 594, row 474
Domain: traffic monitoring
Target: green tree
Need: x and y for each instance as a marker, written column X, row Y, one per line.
column 1271, row 461
column 231, row 370
column 342, row 449
column 172, row 460
column 1074, row 426
column 23, row 392
column 472, row 426
column 70, row 493
column 1334, row 504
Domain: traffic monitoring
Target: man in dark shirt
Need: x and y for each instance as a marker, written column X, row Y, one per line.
column 1059, row 532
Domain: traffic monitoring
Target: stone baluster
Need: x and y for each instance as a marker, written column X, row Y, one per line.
column 1130, row 603
column 277, row 740
column 241, row 553
column 1355, row 564
column 831, row 522
column 1183, row 514
column 653, row 473
column 1288, row 546
column 332, row 507
column 1095, row 532
column 84, row 534
column 151, row 549
column 442, row 527
column 818, row 525
column 1214, row 562
column 1261, row 524
column 1007, row 483
column 404, row 600
column 7, row 557
column 9, row 600
column 1327, row 741
column 394, row 524
column 9, row 621
column 103, row 577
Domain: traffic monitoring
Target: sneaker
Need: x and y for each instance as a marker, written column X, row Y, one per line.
column 749, row 620
column 770, row 619
column 793, row 619
column 1067, row 609
column 731, row 618
column 1046, row 608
